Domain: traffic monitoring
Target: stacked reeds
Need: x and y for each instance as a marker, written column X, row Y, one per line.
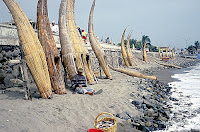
column 124, row 54
column 96, row 45
column 33, row 51
column 49, row 47
column 67, row 49
column 133, row 73
column 145, row 53
column 128, row 49
column 81, row 52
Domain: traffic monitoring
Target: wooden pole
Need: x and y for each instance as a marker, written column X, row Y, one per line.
column 25, row 78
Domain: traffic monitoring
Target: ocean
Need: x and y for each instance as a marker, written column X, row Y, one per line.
column 186, row 110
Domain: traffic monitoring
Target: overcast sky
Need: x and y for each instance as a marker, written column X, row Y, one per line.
column 166, row 22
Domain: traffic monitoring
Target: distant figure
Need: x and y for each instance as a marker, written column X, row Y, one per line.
column 79, row 81
column 79, row 29
column 84, row 35
column 108, row 40
column 54, row 27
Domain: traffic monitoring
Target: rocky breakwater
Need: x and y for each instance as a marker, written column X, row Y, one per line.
column 10, row 74
column 151, row 100
column 183, row 62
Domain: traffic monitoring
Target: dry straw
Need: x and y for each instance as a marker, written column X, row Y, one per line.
column 33, row 52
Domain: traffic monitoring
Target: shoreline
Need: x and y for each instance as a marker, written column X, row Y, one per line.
column 75, row 112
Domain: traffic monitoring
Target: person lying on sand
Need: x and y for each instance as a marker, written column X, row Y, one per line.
column 79, row 81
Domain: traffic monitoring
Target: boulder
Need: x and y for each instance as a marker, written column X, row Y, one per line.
column 1, row 57
column 9, row 55
column 148, row 124
column 15, row 72
column 16, row 53
column 123, row 116
column 7, row 82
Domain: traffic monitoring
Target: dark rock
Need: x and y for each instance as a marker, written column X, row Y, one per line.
column 15, row 72
column 7, row 48
column 194, row 130
column 143, row 128
column 1, row 57
column 161, row 126
column 16, row 53
column 136, row 103
column 147, row 118
column 123, row 116
column 1, row 65
column 131, row 115
column 149, row 106
column 143, row 106
column 8, row 70
column 9, row 55
column 173, row 99
column 7, row 82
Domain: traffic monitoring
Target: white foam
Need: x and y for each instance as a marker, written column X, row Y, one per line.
column 187, row 90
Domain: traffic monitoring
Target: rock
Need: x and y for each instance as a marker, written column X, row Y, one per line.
column 123, row 116
column 1, row 57
column 135, row 124
column 149, row 106
column 14, row 62
column 162, row 126
column 149, row 89
column 16, row 53
column 15, row 72
column 7, row 48
column 173, row 99
column 143, row 106
column 130, row 100
column 7, row 82
column 162, row 118
column 148, row 124
column 16, row 67
column 8, row 70
column 155, row 125
column 147, row 118
column 136, row 103
column 9, row 55
column 130, row 115
column 142, row 123
column 17, row 82
column 150, row 113
column 160, row 93
column 129, row 121
column 143, row 128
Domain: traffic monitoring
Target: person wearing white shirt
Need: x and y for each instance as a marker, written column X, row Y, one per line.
column 54, row 27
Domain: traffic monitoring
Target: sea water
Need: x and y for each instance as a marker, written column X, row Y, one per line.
column 186, row 111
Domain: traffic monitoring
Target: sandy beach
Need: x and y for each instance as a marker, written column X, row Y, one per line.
column 72, row 112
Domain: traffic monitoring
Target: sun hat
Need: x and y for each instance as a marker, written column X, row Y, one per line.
column 80, row 70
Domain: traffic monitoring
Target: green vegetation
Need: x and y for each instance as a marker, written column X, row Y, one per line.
column 193, row 48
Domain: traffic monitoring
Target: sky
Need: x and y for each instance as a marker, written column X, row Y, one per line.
column 174, row 23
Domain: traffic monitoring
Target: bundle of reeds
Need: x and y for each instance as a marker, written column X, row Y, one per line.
column 81, row 52
column 67, row 49
column 145, row 53
column 129, row 53
column 49, row 47
column 33, row 52
column 134, row 74
column 124, row 54
column 96, row 45
column 173, row 54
